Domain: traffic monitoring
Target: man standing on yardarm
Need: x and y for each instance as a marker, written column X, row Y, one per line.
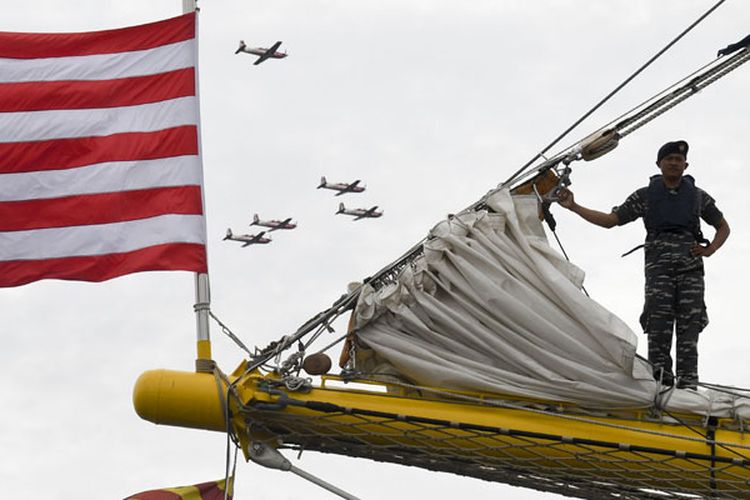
column 671, row 207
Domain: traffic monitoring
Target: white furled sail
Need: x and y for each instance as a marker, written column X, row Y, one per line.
column 491, row 307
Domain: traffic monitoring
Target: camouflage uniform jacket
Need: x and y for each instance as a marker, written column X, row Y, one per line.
column 668, row 252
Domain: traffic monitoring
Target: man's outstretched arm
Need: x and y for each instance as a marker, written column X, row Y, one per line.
column 607, row 220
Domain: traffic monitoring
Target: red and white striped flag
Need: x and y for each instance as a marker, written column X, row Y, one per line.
column 100, row 167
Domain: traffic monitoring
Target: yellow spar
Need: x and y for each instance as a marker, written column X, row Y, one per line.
column 470, row 435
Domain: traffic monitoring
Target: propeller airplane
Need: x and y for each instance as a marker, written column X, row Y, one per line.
column 262, row 53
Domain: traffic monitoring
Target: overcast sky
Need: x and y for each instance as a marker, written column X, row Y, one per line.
column 431, row 104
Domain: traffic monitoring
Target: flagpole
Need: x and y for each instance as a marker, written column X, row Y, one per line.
column 189, row 6
column 202, row 307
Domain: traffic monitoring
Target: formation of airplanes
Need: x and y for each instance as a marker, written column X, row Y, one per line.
column 272, row 52
column 274, row 224
column 260, row 238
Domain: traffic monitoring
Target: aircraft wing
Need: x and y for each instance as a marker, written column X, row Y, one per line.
column 247, row 243
column 274, row 47
column 347, row 188
column 268, row 53
column 367, row 213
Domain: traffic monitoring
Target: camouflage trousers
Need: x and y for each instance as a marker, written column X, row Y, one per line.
column 674, row 303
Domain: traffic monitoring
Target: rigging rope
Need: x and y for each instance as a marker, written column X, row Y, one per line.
column 695, row 85
column 615, row 91
column 225, row 329
column 550, row 219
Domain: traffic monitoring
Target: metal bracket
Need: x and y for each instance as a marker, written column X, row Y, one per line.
column 264, row 455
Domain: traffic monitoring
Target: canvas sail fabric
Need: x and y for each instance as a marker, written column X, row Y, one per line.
column 491, row 307
column 100, row 166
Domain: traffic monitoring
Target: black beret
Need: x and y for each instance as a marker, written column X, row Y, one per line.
column 675, row 147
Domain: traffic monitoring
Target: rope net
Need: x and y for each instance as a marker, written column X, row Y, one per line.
column 573, row 466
